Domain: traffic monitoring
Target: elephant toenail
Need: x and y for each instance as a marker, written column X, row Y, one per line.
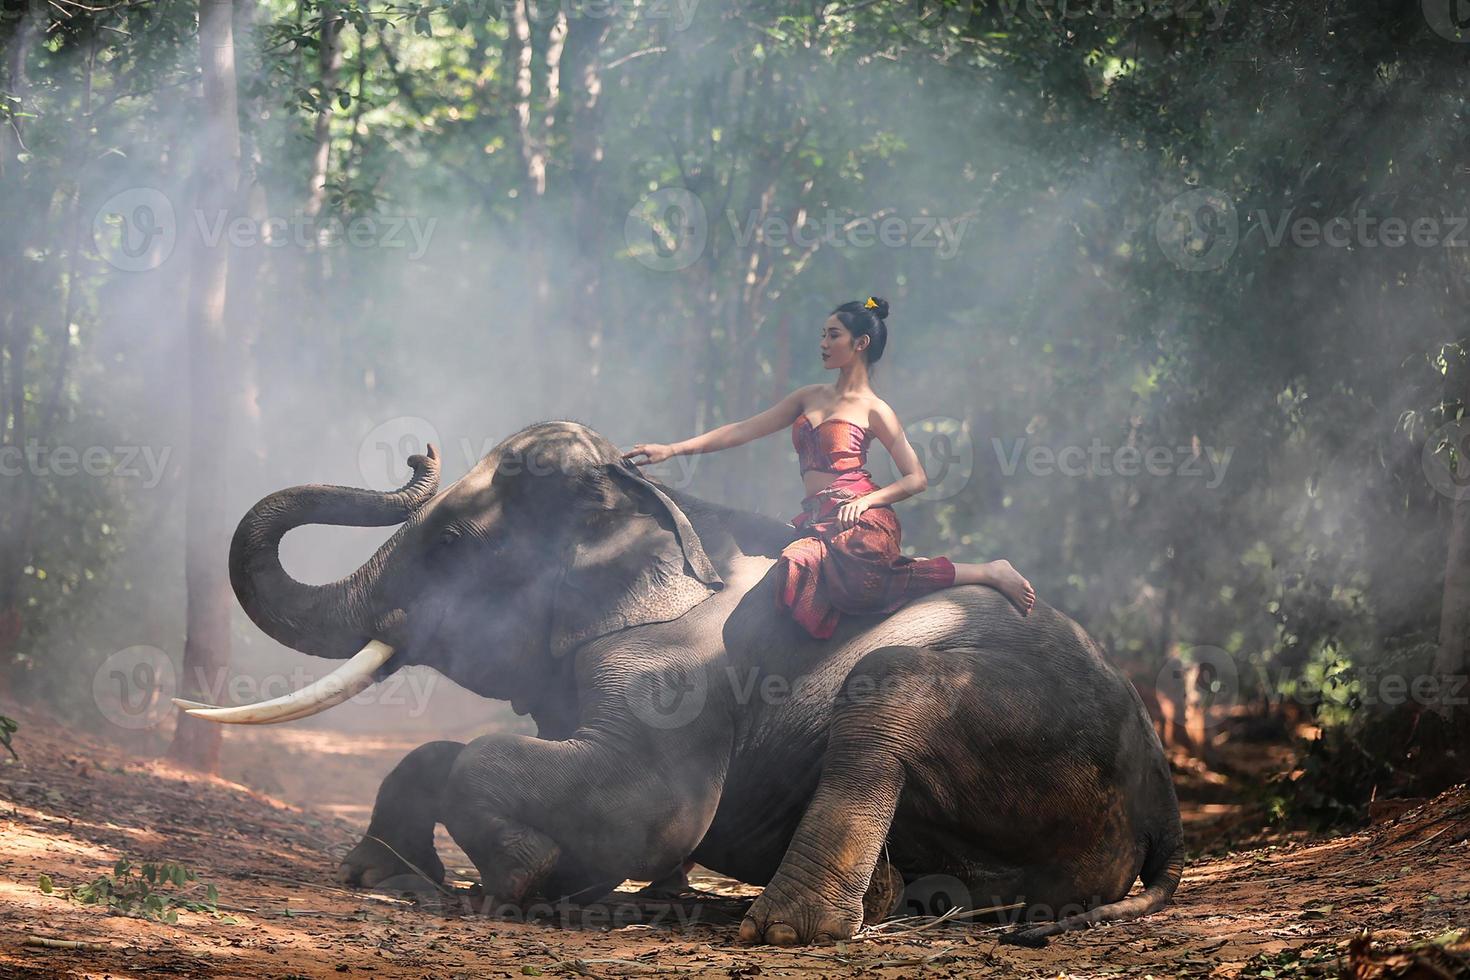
column 781, row 934
column 749, row 931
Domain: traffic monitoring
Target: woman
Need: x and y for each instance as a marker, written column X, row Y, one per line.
column 847, row 559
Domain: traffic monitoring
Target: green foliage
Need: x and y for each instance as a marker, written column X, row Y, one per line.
column 149, row 891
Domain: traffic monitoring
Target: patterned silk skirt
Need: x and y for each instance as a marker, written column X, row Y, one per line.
column 831, row 570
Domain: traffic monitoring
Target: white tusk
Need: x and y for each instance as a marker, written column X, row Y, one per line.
column 341, row 684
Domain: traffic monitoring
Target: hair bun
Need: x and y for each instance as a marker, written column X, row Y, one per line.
column 878, row 306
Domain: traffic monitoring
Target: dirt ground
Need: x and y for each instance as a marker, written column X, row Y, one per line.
column 1384, row 902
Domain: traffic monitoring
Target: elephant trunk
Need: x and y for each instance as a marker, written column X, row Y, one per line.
column 325, row 620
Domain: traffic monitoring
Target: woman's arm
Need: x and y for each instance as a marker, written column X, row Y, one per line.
column 914, row 480
column 778, row 416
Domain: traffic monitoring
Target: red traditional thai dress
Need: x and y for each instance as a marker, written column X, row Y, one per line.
column 831, row 570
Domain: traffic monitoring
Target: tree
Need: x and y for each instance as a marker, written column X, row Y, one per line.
column 211, row 390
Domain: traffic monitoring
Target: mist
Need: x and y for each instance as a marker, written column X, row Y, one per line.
column 638, row 217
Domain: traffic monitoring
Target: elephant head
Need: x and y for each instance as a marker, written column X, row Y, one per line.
column 551, row 540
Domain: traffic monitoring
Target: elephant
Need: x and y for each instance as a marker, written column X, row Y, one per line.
column 682, row 716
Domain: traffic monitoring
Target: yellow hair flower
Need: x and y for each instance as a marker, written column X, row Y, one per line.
column 871, row 304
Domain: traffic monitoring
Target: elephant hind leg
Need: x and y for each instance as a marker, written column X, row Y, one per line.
column 400, row 835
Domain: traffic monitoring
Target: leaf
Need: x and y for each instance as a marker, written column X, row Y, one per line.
column 44, row 881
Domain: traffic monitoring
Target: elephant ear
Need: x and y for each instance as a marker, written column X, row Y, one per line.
column 630, row 567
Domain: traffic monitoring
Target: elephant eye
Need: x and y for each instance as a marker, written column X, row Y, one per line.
column 448, row 536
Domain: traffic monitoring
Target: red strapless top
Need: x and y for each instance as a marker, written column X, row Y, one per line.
column 835, row 446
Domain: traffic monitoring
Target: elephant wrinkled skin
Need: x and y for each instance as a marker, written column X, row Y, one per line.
column 987, row 758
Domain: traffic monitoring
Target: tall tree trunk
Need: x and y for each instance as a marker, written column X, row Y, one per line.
column 581, row 68
column 1444, row 729
column 243, row 311
column 329, row 65
column 532, row 142
column 22, row 208
column 206, row 526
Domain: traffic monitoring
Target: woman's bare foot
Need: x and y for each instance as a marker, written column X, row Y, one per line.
column 1001, row 576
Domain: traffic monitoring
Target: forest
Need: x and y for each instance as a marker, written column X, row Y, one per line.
column 1179, row 310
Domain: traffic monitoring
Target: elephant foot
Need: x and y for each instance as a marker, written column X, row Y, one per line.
column 781, row 918
column 671, row 885
column 371, row 862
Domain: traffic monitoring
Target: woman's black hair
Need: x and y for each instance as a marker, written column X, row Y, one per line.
column 863, row 320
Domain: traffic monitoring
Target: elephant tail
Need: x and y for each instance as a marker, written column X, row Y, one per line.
column 1162, row 870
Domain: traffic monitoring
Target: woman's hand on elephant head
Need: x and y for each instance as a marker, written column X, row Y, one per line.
column 655, row 452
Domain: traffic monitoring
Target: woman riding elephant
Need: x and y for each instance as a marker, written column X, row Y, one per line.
column 847, row 557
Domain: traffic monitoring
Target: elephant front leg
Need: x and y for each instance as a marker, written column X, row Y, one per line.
column 831, row 874
column 513, row 859
column 400, row 835
column 569, row 819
